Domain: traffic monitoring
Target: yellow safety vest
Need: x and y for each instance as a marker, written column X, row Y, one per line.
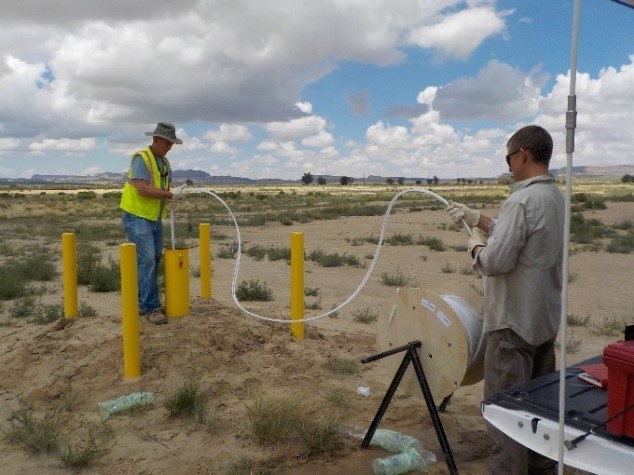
column 148, row 208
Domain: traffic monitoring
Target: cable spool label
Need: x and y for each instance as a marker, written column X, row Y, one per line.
column 443, row 318
column 428, row 305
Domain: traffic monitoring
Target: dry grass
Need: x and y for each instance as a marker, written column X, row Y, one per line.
column 33, row 434
column 275, row 419
column 96, row 220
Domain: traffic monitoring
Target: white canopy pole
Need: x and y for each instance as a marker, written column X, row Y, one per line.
column 571, row 123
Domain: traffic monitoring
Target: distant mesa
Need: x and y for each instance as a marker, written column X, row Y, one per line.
column 200, row 177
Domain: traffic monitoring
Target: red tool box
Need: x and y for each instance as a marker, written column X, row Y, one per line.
column 619, row 358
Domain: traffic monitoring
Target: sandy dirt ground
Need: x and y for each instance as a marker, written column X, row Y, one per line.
column 237, row 358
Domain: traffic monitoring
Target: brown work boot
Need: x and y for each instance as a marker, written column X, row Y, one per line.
column 156, row 317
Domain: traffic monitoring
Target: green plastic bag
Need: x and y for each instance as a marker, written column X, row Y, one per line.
column 107, row 408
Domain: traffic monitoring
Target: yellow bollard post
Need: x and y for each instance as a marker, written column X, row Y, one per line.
column 204, row 240
column 176, row 282
column 69, row 260
column 130, row 312
column 297, row 284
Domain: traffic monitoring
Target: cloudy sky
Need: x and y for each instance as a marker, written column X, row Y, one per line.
column 278, row 88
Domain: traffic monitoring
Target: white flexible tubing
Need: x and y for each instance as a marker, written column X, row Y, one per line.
column 365, row 279
column 172, row 227
column 472, row 326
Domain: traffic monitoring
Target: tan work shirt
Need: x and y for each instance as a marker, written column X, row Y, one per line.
column 521, row 262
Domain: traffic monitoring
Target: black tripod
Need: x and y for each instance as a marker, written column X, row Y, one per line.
column 411, row 356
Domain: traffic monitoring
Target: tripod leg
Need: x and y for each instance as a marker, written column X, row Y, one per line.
column 386, row 399
column 431, row 407
column 444, row 403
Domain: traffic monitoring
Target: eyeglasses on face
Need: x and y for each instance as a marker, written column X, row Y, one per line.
column 508, row 157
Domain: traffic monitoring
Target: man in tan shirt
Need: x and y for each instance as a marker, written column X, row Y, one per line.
column 521, row 265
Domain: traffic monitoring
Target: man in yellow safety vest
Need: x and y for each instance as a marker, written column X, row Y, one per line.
column 143, row 202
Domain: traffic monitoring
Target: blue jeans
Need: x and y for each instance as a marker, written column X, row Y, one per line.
column 148, row 237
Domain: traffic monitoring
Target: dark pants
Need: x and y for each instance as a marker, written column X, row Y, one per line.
column 509, row 361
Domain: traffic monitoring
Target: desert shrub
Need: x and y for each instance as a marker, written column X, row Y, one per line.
column 309, row 292
column 88, row 257
column 342, row 365
column 95, row 232
column 6, row 249
column 400, row 240
column 586, row 231
column 86, row 195
column 365, row 315
column 84, row 452
column 577, row 321
column 337, row 398
column 15, row 274
column 86, row 310
column 313, row 306
column 45, row 314
column 621, row 244
column 370, row 239
column 227, row 252
column 215, row 236
column 433, row 243
column 321, row 437
column 337, row 211
column 106, row 278
column 35, row 311
column 581, row 201
column 12, row 285
column 287, row 219
column 397, row 279
column 257, row 252
column 333, row 260
column 609, row 326
column 254, row 290
column 34, row 435
column 22, row 307
column 624, row 225
column 37, row 266
column 187, row 401
column 277, row 253
column 447, row 268
column 572, row 344
column 467, row 270
column 333, row 314
column 255, row 220
column 275, row 420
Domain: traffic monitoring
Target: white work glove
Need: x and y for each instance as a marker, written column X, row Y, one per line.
column 458, row 212
column 178, row 191
column 477, row 239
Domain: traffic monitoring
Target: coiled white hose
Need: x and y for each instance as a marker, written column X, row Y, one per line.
column 472, row 326
column 365, row 279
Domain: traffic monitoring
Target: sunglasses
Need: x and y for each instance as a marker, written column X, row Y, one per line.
column 508, row 157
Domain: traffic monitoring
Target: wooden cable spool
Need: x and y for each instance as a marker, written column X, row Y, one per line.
column 450, row 332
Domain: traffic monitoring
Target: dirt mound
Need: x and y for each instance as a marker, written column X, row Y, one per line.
column 233, row 357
